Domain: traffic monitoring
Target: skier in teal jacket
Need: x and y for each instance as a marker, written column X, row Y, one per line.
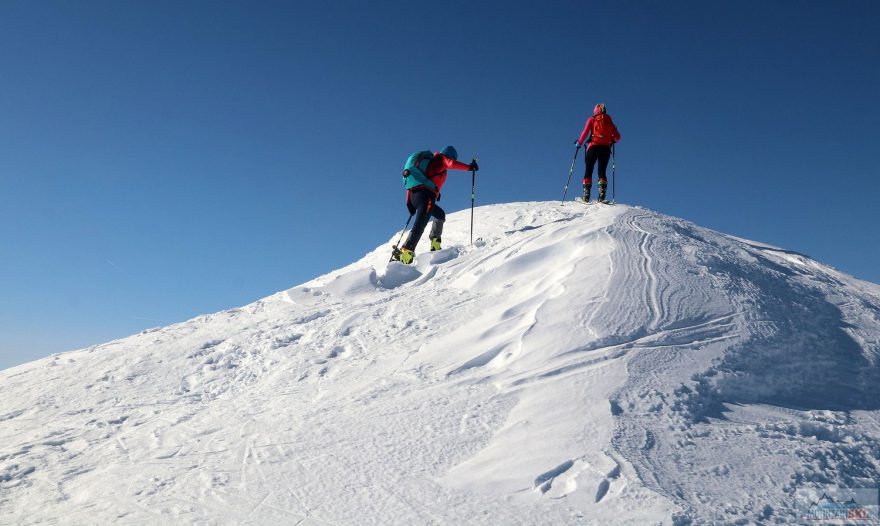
column 421, row 201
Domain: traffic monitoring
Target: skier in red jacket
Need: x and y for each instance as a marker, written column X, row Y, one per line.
column 421, row 200
column 602, row 133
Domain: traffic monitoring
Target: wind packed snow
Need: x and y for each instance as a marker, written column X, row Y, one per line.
column 576, row 365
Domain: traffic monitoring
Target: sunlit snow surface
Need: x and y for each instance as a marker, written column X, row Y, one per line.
column 576, row 365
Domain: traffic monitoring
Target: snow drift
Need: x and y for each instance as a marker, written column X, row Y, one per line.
column 578, row 365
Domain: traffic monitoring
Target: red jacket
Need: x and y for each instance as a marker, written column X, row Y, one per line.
column 596, row 139
column 436, row 171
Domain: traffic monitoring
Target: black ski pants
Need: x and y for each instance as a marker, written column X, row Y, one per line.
column 423, row 204
column 597, row 152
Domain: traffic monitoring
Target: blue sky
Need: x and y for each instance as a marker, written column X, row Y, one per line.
column 164, row 159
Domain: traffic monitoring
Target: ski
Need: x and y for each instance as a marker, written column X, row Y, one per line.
column 588, row 203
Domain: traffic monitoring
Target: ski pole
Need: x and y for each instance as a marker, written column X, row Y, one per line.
column 613, row 177
column 570, row 170
column 473, row 191
column 395, row 247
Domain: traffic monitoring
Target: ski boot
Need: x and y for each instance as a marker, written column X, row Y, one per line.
column 587, row 193
column 404, row 255
column 603, row 185
column 436, row 232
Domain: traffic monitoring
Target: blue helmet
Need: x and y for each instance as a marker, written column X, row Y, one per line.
column 450, row 152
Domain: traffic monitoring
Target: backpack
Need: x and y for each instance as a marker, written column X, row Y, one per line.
column 416, row 168
column 603, row 129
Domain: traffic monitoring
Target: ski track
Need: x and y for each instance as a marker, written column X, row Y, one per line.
column 647, row 266
column 636, row 378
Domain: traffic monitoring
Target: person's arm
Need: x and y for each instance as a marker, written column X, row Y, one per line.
column 452, row 164
column 615, row 135
column 587, row 128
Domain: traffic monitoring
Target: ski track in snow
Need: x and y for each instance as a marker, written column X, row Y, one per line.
column 578, row 365
column 647, row 264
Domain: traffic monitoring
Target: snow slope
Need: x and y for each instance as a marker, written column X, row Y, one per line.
column 578, row 365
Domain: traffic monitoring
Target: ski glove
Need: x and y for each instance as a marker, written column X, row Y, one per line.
column 474, row 166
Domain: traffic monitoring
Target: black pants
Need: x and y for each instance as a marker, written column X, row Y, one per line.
column 423, row 203
column 594, row 153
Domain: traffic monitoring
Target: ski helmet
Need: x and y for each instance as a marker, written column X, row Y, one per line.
column 600, row 108
column 450, row 152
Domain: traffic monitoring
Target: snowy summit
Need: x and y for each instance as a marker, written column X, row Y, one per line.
column 576, row 365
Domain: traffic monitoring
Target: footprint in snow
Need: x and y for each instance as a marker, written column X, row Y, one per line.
column 336, row 352
column 397, row 274
column 544, row 481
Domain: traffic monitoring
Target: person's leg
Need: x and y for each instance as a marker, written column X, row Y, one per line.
column 589, row 163
column 437, row 227
column 603, row 154
column 423, row 202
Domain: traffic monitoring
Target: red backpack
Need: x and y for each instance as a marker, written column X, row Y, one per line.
column 603, row 129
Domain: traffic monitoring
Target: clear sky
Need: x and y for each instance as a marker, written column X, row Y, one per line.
column 165, row 159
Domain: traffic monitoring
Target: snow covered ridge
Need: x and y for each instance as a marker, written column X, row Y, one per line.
column 578, row 365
